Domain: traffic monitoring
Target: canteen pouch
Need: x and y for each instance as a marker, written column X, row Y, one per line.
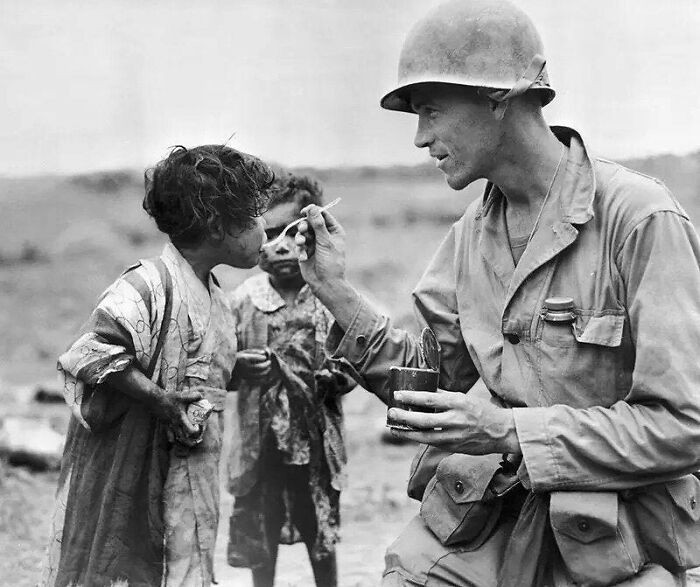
column 668, row 520
column 595, row 536
column 458, row 505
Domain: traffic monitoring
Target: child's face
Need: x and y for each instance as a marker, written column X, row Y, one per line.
column 281, row 260
column 241, row 248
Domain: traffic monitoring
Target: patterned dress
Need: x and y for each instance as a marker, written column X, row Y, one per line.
column 131, row 504
column 293, row 423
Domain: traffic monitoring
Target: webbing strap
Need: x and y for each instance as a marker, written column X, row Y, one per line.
column 526, row 81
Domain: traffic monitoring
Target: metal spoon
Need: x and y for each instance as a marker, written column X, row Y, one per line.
column 282, row 234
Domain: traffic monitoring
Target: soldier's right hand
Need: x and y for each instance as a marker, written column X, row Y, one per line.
column 321, row 242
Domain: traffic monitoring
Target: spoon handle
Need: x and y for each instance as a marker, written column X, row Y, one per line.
column 326, row 207
column 297, row 221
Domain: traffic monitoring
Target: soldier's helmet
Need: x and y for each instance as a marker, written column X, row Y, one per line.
column 488, row 44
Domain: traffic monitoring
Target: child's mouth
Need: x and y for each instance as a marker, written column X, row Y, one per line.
column 285, row 266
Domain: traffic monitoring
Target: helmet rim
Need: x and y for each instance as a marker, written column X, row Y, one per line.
column 398, row 99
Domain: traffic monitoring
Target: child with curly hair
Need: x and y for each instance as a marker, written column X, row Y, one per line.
column 286, row 468
column 138, row 493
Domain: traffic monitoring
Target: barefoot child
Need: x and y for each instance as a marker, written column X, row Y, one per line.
column 138, row 493
column 288, row 454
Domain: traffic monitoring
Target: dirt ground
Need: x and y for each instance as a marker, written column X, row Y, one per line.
column 374, row 508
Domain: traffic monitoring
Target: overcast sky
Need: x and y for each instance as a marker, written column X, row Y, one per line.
column 113, row 83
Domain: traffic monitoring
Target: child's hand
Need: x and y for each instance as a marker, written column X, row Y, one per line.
column 173, row 409
column 216, row 395
column 253, row 364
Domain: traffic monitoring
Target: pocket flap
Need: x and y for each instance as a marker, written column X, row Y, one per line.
column 605, row 330
column 466, row 477
column 685, row 493
column 584, row 515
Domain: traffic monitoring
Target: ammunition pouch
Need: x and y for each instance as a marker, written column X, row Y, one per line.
column 667, row 516
column 462, row 502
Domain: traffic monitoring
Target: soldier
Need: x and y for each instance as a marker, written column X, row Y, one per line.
column 566, row 305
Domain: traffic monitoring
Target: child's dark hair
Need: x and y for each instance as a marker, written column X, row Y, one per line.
column 299, row 189
column 193, row 193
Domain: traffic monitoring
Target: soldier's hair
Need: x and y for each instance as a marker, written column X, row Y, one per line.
column 202, row 191
column 302, row 190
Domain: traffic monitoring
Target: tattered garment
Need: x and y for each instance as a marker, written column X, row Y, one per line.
column 293, row 414
column 130, row 504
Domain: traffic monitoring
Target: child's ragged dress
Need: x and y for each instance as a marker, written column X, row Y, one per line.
column 131, row 503
column 288, row 432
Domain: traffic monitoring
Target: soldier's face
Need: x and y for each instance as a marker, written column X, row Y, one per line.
column 459, row 129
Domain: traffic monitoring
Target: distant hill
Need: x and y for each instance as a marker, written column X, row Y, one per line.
column 677, row 171
column 681, row 173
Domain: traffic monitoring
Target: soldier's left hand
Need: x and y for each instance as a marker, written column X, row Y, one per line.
column 461, row 423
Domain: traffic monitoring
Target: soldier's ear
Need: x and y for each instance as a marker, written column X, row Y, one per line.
column 496, row 105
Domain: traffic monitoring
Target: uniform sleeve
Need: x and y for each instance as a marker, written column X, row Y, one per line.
column 654, row 433
column 371, row 345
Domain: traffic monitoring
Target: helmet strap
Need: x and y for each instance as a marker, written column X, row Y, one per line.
column 526, row 81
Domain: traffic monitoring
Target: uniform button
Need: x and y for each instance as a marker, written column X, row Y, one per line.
column 361, row 340
column 513, row 338
column 584, row 526
column 459, row 487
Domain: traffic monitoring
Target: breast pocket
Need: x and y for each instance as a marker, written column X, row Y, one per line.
column 581, row 363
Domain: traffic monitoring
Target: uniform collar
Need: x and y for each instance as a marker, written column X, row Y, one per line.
column 576, row 186
column 569, row 206
column 265, row 297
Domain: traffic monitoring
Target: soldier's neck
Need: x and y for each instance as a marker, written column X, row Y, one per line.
column 527, row 162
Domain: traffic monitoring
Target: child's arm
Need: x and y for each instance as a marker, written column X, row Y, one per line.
column 171, row 406
column 253, row 362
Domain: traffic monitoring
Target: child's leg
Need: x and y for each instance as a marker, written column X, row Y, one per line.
column 325, row 571
column 304, row 517
column 274, row 515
